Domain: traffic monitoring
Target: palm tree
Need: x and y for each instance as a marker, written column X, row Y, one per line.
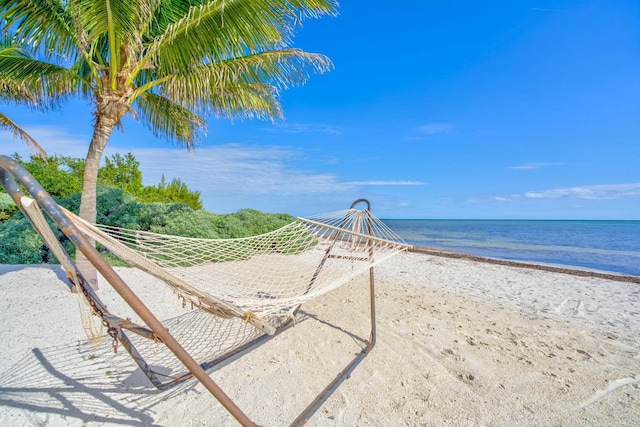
column 169, row 62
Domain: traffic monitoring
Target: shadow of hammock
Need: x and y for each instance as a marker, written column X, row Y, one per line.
column 74, row 381
column 360, row 341
column 56, row 268
column 88, row 381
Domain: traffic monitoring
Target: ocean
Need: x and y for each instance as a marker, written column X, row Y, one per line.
column 612, row 246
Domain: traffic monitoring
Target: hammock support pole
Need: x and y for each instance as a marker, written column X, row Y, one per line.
column 10, row 171
column 346, row 372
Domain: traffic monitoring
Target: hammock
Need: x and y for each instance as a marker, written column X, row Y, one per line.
column 261, row 277
column 260, row 281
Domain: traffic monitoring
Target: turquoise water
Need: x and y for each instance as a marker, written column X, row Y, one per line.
column 602, row 245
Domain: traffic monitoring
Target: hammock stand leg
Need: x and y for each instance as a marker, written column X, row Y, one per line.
column 346, row 372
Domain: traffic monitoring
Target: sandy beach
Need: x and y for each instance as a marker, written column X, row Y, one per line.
column 459, row 342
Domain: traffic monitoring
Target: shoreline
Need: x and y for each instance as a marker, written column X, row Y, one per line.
column 554, row 268
column 459, row 342
column 447, row 253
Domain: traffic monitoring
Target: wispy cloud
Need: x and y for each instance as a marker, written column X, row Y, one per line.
column 236, row 169
column 436, row 128
column 587, row 192
column 590, row 192
column 533, row 166
column 265, row 177
column 230, row 176
column 386, row 183
column 306, row 128
column 53, row 139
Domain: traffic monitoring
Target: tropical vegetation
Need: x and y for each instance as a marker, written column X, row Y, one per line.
column 20, row 244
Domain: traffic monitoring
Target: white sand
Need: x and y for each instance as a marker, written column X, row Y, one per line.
column 459, row 343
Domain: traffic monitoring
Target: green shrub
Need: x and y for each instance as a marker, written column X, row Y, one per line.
column 141, row 216
column 121, row 172
column 189, row 224
column 109, row 201
column 249, row 222
column 174, row 192
column 60, row 175
column 7, row 206
column 20, row 244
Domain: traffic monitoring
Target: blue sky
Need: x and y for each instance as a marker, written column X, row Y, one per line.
column 461, row 109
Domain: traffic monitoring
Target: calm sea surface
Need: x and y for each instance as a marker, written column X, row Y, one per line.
column 602, row 245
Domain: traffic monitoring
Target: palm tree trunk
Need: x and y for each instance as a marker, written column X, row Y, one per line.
column 101, row 133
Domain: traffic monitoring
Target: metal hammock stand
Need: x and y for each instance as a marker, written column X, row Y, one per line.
column 12, row 174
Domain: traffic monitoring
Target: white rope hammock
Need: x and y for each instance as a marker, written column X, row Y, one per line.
column 264, row 278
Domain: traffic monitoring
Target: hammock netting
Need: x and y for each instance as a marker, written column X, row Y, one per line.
column 266, row 276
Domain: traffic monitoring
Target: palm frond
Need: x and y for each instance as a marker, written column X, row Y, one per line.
column 21, row 67
column 167, row 13
column 44, row 23
column 18, row 132
column 31, row 81
column 245, row 101
column 113, row 28
column 280, row 67
column 124, row 18
column 169, row 119
column 83, row 78
column 218, row 30
column 269, row 71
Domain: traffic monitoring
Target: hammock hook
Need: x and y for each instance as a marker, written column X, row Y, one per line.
column 113, row 333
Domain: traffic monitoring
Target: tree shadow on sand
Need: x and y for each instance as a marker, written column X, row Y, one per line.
column 87, row 381
column 83, row 381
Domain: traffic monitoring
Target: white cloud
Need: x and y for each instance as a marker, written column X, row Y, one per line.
column 436, row 128
column 306, row 128
column 236, row 169
column 268, row 178
column 54, row 140
column 533, row 166
column 228, row 177
column 386, row 183
column 590, row 192
column 246, row 170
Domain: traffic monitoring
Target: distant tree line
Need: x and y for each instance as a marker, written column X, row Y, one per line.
column 62, row 176
column 122, row 201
